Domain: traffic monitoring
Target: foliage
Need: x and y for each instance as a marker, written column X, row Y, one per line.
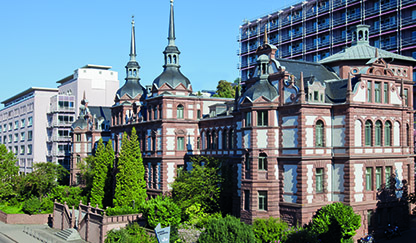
column 85, row 167
column 130, row 183
column 188, row 233
column 132, row 233
column 12, row 209
column 121, row 210
column 108, row 185
column 161, row 210
column 225, row 89
column 102, row 164
column 32, row 206
column 199, row 185
column 42, row 180
column 270, row 230
column 71, row 195
column 8, row 173
column 335, row 222
column 302, row 235
column 228, row 229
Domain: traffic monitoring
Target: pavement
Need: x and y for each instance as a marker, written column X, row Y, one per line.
column 408, row 236
column 19, row 233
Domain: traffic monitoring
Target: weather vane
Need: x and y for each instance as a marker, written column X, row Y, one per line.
column 132, row 19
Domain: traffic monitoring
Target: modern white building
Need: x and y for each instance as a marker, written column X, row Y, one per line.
column 98, row 83
column 23, row 125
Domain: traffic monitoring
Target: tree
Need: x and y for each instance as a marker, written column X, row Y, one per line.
column 199, row 185
column 43, row 179
column 335, row 222
column 108, row 187
column 161, row 210
column 8, row 173
column 130, row 183
column 225, row 89
column 101, row 170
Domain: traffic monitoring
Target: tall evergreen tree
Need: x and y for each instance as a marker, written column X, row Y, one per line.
column 108, row 188
column 99, row 171
column 130, row 184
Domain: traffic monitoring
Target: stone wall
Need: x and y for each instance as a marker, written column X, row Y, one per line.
column 24, row 218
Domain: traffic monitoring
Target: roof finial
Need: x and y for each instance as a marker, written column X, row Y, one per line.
column 171, row 34
column 133, row 41
column 302, row 89
column 266, row 40
column 376, row 52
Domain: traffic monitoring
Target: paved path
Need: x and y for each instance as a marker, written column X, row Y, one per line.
column 18, row 233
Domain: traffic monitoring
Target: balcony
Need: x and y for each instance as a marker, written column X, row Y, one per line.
column 408, row 21
column 57, row 138
column 409, row 41
column 339, row 21
column 274, row 25
column 371, row 11
column 285, row 53
column 310, row 30
column 310, row 46
column 354, row 16
column 389, row 5
column 388, row 26
column 323, row 43
column 374, row 30
column 338, row 3
column 297, row 34
column 388, row 45
column 296, row 50
column 323, row 26
column 338, row 39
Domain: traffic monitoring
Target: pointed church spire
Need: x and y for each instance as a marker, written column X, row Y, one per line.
column 133, row 41
column 171, row 34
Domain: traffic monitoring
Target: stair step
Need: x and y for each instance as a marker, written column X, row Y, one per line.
column 69, row 234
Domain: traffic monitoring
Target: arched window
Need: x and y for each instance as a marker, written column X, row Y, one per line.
column 179, row 112
column 319, row 134
column 407, row 136
column 208, row 141
column 263, row 161
column 214, row 140
column 387, row 134
column 155, row 113
column 368, row 133
column 378, row 133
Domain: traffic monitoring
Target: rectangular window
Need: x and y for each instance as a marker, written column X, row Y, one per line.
column 22, row 149
column 377, row 92
column 29, row 121
column 180, row 142
column 262, row 200
column 23, row 123
column 4, row 139
column 29, row 135
column 246, row 200
column 378, row 178
column 262, row 118
column 198, row 114
column 370, row 218
column 386, row 93
column 369, row 97
column 16, row 151
column 388, row 175
column 78, row 137
column 262, row 163
column 369, row 178
column 406, row 93
column 319, row 178
column 10, row 126
column 16, row 137
column 1, row 128
column 22, row 136
column 5, row 127
column 16, row 124
column 248, row 119
column 10, row 138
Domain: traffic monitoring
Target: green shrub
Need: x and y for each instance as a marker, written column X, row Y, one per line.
column 32, row 206
column 121, row 210
column 335, row 222
column 301, row 235
column 229, row 229
column 132, row 233
column 161, row 210
column 270, row 230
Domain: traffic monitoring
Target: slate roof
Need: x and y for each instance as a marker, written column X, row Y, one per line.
column 364, row 52
column 131, row 88
column 173, row 77
column 309, row 69
column 100, row 112
column 259, row 89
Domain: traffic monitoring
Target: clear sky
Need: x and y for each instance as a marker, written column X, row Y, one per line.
column 44, row 41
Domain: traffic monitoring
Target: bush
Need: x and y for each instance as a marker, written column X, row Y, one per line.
column 32, row 206
column 228, row 229
column 270, row 230
column 161, row 210
column 132, row 233
column 121, row 210
column 335, row 222
column 301, row 235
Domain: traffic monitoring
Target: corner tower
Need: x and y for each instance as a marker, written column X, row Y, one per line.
column 171, row 80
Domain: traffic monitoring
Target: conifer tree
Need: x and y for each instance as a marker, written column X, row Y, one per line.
column 99, row 171
column 108, row 187
column 130, row 184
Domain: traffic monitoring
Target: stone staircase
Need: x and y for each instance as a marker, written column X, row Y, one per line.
column 68, row 234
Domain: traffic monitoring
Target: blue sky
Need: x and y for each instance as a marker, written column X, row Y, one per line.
column 44, row 41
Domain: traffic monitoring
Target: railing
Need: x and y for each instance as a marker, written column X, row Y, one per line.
column 408, row 21
column 390, row 5
column 389, row 45
column 409, row 41
column 323, row 43
column 338, row 3
column 296, row 50
column 338, row 21
column 310, row 46
column 323, row 26
column 388, row 26
column 371, row 11
column 354, row 16
column 338, row 39
column 310, row 30
column 374, row 30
